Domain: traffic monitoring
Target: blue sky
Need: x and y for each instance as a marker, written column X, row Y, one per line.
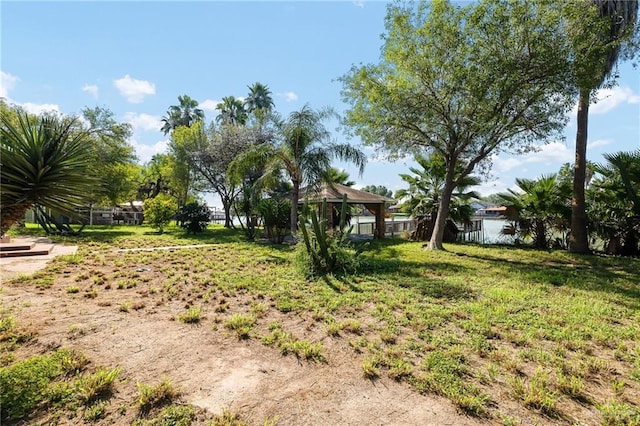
column 136, row 58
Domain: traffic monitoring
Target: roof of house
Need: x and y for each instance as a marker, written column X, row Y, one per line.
column 334, row 194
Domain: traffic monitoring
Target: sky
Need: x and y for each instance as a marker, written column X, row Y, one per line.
column 136, row 58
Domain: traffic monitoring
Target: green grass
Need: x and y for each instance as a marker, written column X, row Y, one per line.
column 486, row 327
column 157, row 395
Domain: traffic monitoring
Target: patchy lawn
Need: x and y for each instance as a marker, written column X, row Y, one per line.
column 231, row 333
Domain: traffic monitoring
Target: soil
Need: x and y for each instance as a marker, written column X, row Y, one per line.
column 213, row 369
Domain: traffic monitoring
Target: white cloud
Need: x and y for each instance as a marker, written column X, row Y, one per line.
column 551, row 153
column 134, row 90
column 39, row 108
column 491, row 187
column 608, row 99
column 208, row 105
column 288, row 96
column 600, row 142
column 359, row 3
column 504, row 164
column 91, row 89
column 143, row 121
column 7, row 82
column 145, row 152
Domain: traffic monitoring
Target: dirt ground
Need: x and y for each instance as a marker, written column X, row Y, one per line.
column 212, row 367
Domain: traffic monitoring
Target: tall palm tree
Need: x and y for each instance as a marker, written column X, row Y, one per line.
column 304, row 153
column 597, row 48
column 231, row 111
column 45, row 162
column 259, row 102
column 185, row 114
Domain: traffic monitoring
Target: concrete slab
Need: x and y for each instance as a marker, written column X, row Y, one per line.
column 11, row 267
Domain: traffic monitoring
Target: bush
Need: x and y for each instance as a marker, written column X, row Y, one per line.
column 276, row 217
column 326, row 251
column 193, row 217
column 159, row 211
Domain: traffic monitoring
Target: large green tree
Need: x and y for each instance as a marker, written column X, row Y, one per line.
column 216, row 149
column 114, row 161
column 46, row 161
column 602, row 32
column 186, row 113
column 465, row 82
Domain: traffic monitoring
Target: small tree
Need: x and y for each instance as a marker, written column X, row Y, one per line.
column 193, row 217
column 159, row 211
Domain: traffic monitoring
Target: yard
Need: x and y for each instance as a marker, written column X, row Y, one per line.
column 232, row 333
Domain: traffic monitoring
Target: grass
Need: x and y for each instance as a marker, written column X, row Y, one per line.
column 159, row 394
column 191, row 316
column 486, row 327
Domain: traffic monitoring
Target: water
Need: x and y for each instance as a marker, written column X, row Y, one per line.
column 491, row 232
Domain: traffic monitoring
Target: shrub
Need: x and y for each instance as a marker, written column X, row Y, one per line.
column 326, row 251
column 193, row 217
column 159, row 211
column 276, row 218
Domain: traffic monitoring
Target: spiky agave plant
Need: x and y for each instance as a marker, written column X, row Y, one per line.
column 44, row 161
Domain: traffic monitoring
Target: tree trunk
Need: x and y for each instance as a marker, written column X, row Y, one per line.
column 443, row 211
column 578, row 239
column 226, row 205
column 10, row 215
column 295, row 194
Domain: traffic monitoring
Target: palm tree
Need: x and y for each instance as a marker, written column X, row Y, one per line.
column 304, row 153
column 339, row 176
column 259, row 102
column 422, row 198
column 231, row 111
column 45, row 162
column 185, row 114
column 539, row 207
column 597, row 48
column 614, row 203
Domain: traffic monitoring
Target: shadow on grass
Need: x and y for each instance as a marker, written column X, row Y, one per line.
column 617, row 276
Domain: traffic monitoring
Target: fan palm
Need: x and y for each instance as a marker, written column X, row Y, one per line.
column 614, row 202
column 259, row 101
column 185, row 114
column 425, row 189
column 598, row 46
column 232, row 111
column 45, row 162
column 539, row 207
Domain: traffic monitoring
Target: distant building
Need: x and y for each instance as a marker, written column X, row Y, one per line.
column 492, row 211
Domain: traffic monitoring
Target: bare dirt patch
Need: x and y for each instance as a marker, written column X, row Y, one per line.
column 136, row 329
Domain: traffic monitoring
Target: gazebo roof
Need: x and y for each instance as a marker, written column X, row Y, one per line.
column 334, row 194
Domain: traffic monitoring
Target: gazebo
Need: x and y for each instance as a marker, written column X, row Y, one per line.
column 334, row 195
